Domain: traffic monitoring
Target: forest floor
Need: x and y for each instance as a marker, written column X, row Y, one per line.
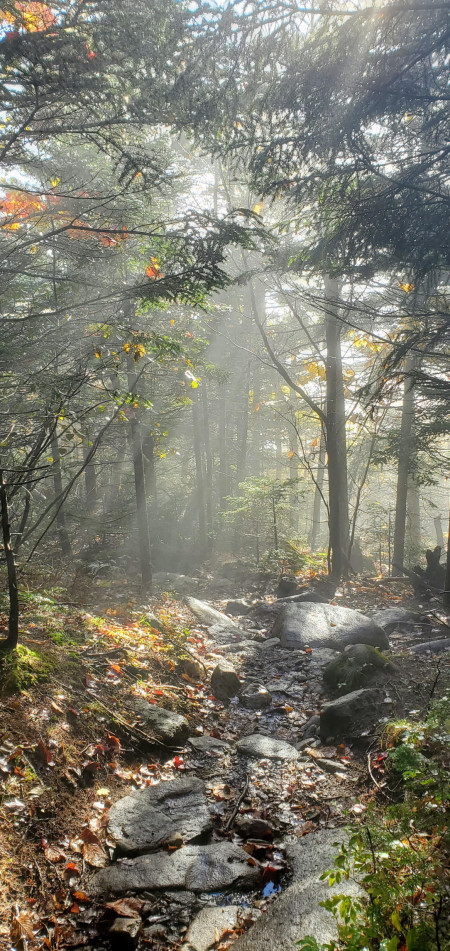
column 71, row 745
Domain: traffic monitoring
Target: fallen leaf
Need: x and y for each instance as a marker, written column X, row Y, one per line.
column 126, row 907
column 93, row 851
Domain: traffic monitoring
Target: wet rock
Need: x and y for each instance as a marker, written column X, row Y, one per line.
column 436, row 647
column 391, row 618
column 297, row 912
column 311, row 727
column 157, row 815
column 258, row 746
column 209, row 925
column 349, row 715
column 209, row 615
column 195, row 868
column 358, row 666
column 225, row 682
column 169, row 728
column 124, row 933
column 208, row 744
column 256, row 697
column 324, row 625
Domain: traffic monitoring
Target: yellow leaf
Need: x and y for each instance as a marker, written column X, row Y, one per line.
column 407, row 288
column 194, row 384
column 54, row 182
column 258, row 208
column 291, row 454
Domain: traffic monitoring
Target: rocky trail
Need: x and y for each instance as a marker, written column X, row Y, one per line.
column 252, row 759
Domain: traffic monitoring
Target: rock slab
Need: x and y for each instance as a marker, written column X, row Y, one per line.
column 258, row 746
column 157, row 815
column 297, row 913
column 209, row 615
column 168, row 728
column 325, row 625
column 209, row 925
column 195, row 868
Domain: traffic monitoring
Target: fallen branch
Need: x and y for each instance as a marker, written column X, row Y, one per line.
column 233, row 815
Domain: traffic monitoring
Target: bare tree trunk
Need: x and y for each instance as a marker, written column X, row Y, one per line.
column 439, row 533
column 413, row 512
column 13, row 622
column 222, row 431
column 208, row 466
column 447, row 572
column 200, row 489
column 90, row 483
column 139, row 484
column 336, row 436
column 63, row 534
column 318, row 491
column 404, row 464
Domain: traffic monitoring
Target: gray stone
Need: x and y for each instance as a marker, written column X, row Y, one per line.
column 436, row 647
column 237, row 607
column 208, row 744
column 195, row 868
column 319, row 657
column 264, row 747
column 225, row 682
column 251, row 827
column 311, row 727
column 256, row 697
column 349, row 715
column 390, row 618
column 296, row 913
column 124, row 932
column 329, row 765
column 209, row 615
column 324, row 625
column 358, row 666
column 155, row 622
column 169, row 728
column 152, row 817
column 209, row 925
column 269, row 644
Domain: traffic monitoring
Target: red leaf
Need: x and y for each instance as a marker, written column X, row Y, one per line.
column 44, row 753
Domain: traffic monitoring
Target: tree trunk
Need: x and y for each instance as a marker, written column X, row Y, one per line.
column 63, row 534
column 318, row 492
column 200, row 488
column 222, row 432
column 413, row 512
column 336, row 436
column 90, row 483
column 404, row 464
column 447, row 572
column 13, row 622
column 439, row 533
column 139, row 485
column 208, row 466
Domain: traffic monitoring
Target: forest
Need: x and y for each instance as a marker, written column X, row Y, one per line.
column 224, row 445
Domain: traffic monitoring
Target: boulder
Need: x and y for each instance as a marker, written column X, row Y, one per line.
column 209, row 615
column 237, row 607
column 297, row 912
column 167, row 727
column 209, row 925
column 169, row 581
column 358, row 666
column 251, row 827
column 255, row 697
column 194, row 868
column 390, row 618
column 153, row 817
column 268, row 644
column 325, row 625
column 225, row 683
column 349, row 715
column 435, row 647
column 264, row 747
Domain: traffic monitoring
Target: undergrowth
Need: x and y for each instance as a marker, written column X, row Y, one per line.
column 398, row 856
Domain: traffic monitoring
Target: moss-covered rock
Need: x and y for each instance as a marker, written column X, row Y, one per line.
column 358, row 666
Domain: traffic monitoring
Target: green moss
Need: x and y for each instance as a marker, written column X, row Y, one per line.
column 356, row 667
column 22, row 668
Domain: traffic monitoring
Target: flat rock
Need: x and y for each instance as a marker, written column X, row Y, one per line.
column 208, row 744
column 264, row 747
column 209, row 615
column 296, row 913
column 268, row 644
column 170, row 581
column 169, row 728
column 349, row 715
column 209, row 925
column 194, row 868
column 152, row 817
column 436, row 647
column 325, row 625
column 390, row 618
column 237, row 607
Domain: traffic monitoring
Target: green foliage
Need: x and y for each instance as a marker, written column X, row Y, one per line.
column 21, row 669
column 397, row 857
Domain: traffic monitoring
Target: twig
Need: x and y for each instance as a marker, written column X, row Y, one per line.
column 434, row 684
column 233, row 815
column 369, row 765
column 436, row 616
